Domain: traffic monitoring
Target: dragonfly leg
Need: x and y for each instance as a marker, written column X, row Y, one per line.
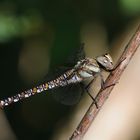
column 94, row 99
column 105, row 87
column 87, row 90
column 117, row 65
column 102, row 81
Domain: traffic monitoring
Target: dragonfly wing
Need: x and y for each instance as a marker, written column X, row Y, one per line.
column 77, row 54
column 68, row 95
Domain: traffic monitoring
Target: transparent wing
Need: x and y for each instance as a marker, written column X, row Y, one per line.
column 77, row 54
column 68, row 95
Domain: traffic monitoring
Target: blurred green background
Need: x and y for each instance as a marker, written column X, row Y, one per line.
column 36, row 36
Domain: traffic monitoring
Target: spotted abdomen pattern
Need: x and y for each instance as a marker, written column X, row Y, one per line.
column 63, row 80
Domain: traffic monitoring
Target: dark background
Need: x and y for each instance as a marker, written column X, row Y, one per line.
column 52, row 28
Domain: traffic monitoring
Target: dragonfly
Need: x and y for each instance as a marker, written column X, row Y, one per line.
column 84, row 69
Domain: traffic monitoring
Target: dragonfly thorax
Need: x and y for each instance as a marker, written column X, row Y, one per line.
column 87, row 68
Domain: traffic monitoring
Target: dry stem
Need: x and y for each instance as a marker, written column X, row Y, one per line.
column 113, row 78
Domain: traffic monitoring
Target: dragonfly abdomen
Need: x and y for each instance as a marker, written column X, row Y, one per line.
column 61, row 81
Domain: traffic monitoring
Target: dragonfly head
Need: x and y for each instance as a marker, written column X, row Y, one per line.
column 105, row 61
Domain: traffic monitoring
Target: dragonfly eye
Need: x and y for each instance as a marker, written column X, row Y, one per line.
column 108, row 58
column 105, row 61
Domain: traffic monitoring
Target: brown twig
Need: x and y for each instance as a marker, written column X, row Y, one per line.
column 113, row 78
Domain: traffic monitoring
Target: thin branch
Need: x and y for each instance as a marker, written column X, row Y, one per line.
column 113, row 78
